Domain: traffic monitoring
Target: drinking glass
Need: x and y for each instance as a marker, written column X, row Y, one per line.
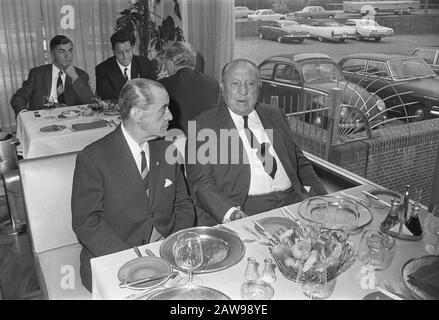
column 315, row 284
column 188, row 254
column 49, row 104
column 97, row 106
column 346, row 217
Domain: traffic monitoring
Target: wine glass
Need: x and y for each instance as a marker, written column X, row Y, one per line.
column 188, row 253
column 97, row 106
column 315, row 284
column 49, row 103
column 346, row 217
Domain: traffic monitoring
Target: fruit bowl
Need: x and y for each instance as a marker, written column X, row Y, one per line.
column 304, row 248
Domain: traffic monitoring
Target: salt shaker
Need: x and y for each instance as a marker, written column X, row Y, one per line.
column 251, row 271
column 268, row 273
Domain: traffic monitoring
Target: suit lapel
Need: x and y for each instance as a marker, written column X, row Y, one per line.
column 155, row 152
column 48, row 80
column 127, row 162
column 68, row 91
column 278, row 140
column 134, row 69
column 118, row 75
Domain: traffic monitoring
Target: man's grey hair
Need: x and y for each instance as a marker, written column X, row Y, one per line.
column 229, row 66
column 136, row 93
column 181, row 54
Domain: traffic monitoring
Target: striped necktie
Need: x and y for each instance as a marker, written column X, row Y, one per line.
column 125, row 74
column 144, row 173
column 268, row 161
column 60, row 89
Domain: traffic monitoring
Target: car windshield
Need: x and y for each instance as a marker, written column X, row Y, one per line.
column 317, row 71
column 288, row 24
column 410, row 68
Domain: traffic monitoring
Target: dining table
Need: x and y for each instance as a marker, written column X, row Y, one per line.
column 37, row 142
column 105, row 269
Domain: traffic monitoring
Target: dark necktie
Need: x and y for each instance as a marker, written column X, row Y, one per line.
column 268, row 161
column 60, row 89
column 144, row 173
column 125, row 74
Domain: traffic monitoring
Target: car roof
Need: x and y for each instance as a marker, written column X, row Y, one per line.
column 297, row 57
column 376, row 56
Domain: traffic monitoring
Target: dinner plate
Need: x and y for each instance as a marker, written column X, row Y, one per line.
column 273, row 224
column 144, row 267
column 189, row 293
column 365, row 215
column 221, row 249
column 53, row 128
column 70, row 114
column 411, row 266
column 383, row 194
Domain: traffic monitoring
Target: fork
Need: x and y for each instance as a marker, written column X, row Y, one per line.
column 405, row 291
column 252, row 232
column 388, row 286
column 245, row 240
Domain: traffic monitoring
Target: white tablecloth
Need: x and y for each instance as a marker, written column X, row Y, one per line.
column 35, row 143
column 229, row 281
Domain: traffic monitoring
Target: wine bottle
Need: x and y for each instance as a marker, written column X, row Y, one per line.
column 391, row 219
column 405, row 203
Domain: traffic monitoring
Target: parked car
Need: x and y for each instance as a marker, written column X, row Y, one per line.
column 407, row 84
column 242, row 12
column 280, row 8
column 315, row 12
column 266, row 14
column 368, row 29
column 301, row 81
column 430, row 55
column 283, row 30
column 329, row 30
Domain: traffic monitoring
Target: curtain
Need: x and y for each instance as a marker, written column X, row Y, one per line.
column 21, row 48
column 26, row 27
column 209, row 25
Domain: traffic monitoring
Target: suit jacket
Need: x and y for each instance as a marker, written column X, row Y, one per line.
column 110, row 209
column 109, row 77
column 217, row 187
column 39, row 84
column 190, row 93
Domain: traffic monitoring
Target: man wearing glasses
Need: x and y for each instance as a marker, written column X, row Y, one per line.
column 60, row 80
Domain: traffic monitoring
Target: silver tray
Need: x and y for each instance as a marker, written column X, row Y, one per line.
column 411, row 266
column 365, row 215
column 189, row 293
column 221, row 249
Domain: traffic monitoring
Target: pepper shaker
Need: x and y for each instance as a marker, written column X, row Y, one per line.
column 268, row 273
column 251, row 271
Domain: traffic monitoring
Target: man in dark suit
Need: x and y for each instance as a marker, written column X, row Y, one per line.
column 255, row 165
column 60, row 80
column 112, row 74
column 125, row 193
column 190, row 91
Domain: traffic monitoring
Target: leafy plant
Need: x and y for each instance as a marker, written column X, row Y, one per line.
column 152, row 31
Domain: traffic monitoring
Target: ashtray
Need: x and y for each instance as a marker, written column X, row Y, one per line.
column 256, row 290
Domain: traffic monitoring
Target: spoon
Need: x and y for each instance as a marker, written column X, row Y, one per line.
column 137, row 251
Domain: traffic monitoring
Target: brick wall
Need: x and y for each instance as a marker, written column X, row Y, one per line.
column 396, row 156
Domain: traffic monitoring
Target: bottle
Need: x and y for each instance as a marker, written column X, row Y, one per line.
column 405, row 203
column 392, row 217
column 251, row 271
column 413, row 224
column 268, row 274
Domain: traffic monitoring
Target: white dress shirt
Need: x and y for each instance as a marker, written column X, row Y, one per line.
column 260, row 181
column 55, row 74
column 136, row 149
column 122, row 69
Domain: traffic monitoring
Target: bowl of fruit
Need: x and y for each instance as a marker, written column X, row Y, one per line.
column 305, row 247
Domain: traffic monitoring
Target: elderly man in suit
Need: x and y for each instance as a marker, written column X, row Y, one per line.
column 60, row 80
column 190, row 91
column 259, row 168
column 125, row 192
column 112, row 74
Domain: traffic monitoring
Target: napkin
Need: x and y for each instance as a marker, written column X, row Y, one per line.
column 89, row 125
column 426, row 278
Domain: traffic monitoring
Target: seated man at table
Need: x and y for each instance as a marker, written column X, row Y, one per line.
column 125, row 193
column 112, row 74
column 255, row 166
column 60, row 80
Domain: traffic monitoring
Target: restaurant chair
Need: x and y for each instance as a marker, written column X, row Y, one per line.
column 47, row 190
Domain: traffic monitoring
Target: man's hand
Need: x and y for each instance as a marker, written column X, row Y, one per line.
column 71, row 72
column 237, row 214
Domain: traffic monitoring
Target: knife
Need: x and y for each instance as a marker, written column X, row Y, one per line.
column 144, row 280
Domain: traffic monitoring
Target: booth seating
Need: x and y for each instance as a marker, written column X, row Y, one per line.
column 47, row 190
